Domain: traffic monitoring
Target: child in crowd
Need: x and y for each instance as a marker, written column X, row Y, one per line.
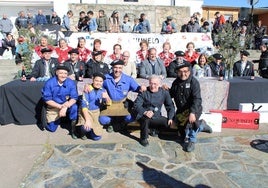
column 126, row 26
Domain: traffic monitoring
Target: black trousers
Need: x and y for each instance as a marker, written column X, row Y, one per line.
column 159, row 123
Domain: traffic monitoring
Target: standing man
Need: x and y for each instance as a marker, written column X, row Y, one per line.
column 243, row 67
column 76, row 67
column 148, row 106
column 21, row 21
column 144, row 25
column 55, row 19
column 129, row 66
column 60, row 95
column 6, row 25
column 118, row 85
column 168, row 27
column 40, row 19
column 152, row 65
column 263, row 63
column 187, row 96
column 259, row 32
column 45, row 67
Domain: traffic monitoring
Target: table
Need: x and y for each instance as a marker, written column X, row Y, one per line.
column 244, row 90
column 20, row 102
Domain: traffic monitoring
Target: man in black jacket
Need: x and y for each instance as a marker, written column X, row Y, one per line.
column 45, row 67
column 187, row 96
column 243, row 67
column 148, row 107
column 263, row 63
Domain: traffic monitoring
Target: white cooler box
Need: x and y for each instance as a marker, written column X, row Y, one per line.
column 214, row 120
column 263, row 110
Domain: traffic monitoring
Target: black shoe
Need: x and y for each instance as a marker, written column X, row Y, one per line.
column 190, row 147
column 144, row 142
column 153, row 133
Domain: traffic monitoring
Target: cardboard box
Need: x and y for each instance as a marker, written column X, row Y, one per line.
column 214, row 120
column 239, row 120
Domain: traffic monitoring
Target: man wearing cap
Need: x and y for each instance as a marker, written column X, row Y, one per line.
column 144, row 24
column 91, row 103
column 60, row 95
column 96, row 65
column 118, row 85
column 217, row 66
column 243, row 67
column 168, row 27
column 76, row 67
column 152, row 65
column 45, row 67
column 263, row 63
column 148, row 106
column 171, row 69
column 186, row 92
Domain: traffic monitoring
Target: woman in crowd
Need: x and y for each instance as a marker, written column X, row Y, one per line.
column 190, row 54
column 62, row 50
column 202, row 69
column 97, row 47
column 84, row 53
column 114, row 22
column 166, row 56
column 22, row 49
column 142, row 54
column 43, row 44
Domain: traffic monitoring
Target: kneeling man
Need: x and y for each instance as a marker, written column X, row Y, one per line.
column 148, row 107
column 60, row 95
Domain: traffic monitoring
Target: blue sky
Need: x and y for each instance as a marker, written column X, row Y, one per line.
column 235, row 3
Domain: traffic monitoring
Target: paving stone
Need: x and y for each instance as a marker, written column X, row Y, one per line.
column 152, row 150
column 203, row 165
column 65, row 148
column 207, row 152
column 245, row 158
column 109, row 146
column 157, row 164
column 207, row 140
column 86, row 157
column 142, row 158
column 95, row 173
column 75, row 180
column 231, row 166
column 198, row 181
column 117, row 159
column 170, row 166
column 181, row 173
column 57, row 161
column 219, row 180
column 255, row 169
column 129, row 174
column 248, row 180
column 229, row 155
column 114, row 183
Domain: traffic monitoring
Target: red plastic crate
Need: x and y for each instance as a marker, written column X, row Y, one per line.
column 238, row 119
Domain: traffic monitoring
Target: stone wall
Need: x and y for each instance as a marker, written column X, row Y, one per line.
column 155, row 14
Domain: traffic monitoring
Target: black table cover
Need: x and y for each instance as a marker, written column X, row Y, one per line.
column 244, row 90
column 20, row 102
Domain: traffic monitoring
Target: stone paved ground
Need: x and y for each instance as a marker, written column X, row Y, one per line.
column 229, row 161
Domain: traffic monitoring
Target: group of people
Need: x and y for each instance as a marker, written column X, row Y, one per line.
column 104, row 104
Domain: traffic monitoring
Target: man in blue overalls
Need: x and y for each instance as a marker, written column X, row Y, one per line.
column 118, row 85
column 60, row 95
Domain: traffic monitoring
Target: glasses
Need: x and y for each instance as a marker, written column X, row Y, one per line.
column 125, row 56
